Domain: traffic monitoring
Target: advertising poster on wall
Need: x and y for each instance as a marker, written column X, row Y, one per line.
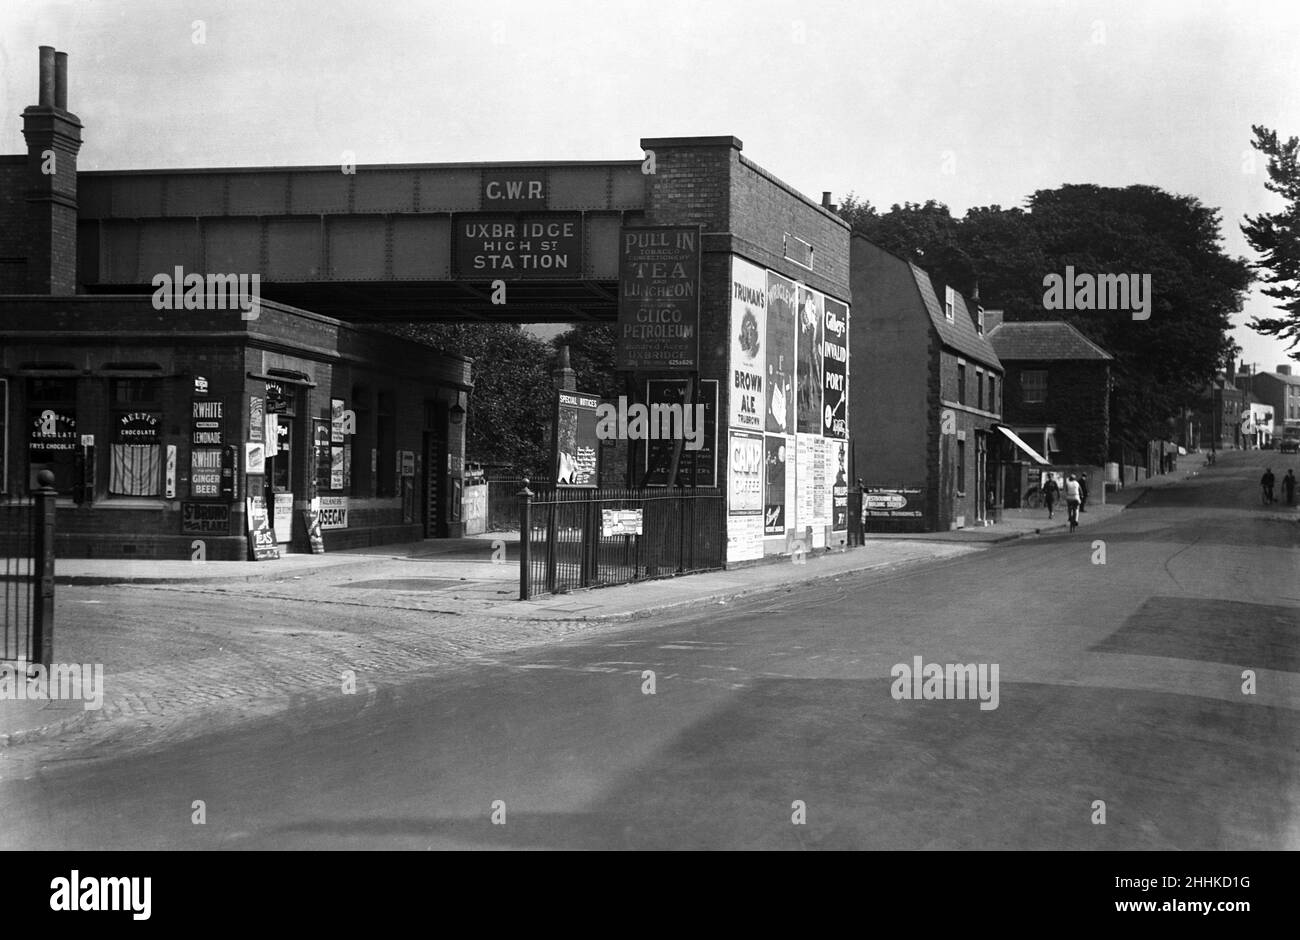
column 781, row 328
column 774, row 472
column 745, row 474
column 821, row 492
column 659, row 452
column 745, row 496
column 835, row 370
column 837, row 467
column 809, row 365
column 282, row 518
column 575, row 439
column 803, row 478
column 748, row 337
column 659, row 298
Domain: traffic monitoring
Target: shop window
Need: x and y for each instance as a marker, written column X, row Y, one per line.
column 136, row 453
column 1033, row 386
column 961, row 383
column 386, row 444
column 52, row 439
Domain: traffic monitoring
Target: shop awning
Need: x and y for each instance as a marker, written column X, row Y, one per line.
column 1014, row 438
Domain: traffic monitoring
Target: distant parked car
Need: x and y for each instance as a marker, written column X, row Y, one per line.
column 1289, row 445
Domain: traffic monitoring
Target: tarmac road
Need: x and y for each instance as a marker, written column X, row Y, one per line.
column 1118, row 684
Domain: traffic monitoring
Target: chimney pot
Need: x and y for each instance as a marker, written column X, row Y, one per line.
column 1284, row 370
column 46, row 89
column 61, row 80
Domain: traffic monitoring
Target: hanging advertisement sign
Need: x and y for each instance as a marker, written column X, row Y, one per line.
column 169, row 476
column 659, row 452
column 835, row 370
column 781, row 331
column 205, row 473
column 620, row 522
column 774, row 470
column 336, row 421
column 256, row 419
column 575, row 439
column 255, row 458
column 333, row 512
column 746, row 403
column 809, row 405
column 208, row 422
column 659, row 299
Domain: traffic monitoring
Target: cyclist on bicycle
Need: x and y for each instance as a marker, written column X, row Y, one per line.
column 1073, row 497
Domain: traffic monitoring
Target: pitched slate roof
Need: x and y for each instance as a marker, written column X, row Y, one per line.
column 959, row 332
column 1041, row 340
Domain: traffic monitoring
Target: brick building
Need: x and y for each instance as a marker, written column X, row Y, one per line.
column 926, row 398
column 773, row 318
column 1057, row 398
column 1280, row 390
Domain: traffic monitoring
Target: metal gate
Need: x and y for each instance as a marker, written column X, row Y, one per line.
column 27, row 575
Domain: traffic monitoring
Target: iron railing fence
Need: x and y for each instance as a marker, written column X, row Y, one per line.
column 579, row 538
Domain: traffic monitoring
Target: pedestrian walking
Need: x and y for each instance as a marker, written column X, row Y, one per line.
column 1266, row 484
column 1083, row 492
column 1288, row 487
column 1051, row 493
column 1072, row 497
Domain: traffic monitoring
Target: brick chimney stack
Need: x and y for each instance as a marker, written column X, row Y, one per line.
column 53, row 140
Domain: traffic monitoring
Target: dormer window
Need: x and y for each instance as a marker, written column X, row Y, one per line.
column 949, row 303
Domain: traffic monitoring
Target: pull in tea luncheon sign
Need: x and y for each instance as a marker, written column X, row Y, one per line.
column 659, row 299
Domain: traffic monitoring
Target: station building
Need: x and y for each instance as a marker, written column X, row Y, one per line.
column 166, row 424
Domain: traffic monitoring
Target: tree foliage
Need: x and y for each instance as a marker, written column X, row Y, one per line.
column 1161, row 364
column 510, row 406
column 1276, row 236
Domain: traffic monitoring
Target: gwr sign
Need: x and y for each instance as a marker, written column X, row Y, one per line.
column 514, row 189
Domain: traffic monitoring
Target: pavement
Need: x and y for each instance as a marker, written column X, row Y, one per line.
column 386, row 612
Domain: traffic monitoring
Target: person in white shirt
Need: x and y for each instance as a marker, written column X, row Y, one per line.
column 1073, row 496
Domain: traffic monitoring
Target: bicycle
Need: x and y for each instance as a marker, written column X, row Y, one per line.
column 1073, row 510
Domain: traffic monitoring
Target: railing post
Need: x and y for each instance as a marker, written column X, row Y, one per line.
column 43, row 505
column 525, row 532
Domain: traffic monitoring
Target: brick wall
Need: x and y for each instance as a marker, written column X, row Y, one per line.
column 13, row 231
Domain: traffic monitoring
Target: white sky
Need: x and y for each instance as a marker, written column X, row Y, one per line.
column 878, row 98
